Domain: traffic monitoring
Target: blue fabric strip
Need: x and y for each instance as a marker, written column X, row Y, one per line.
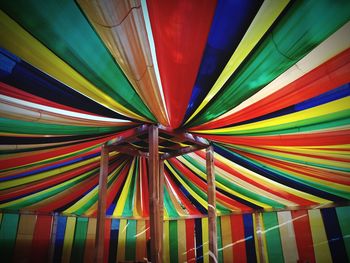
column 61, row 229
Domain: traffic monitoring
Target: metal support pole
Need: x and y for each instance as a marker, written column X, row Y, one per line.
column 101, row 209
column 213, row 240
column 154, row 194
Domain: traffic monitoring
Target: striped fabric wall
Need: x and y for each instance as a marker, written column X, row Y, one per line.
column 319, row 235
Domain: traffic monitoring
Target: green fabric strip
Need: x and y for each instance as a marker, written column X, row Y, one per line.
column 79, row 240
column 130, row 243
column 73, row 39
column 220, row 251
column 343, row 214
column 173, row 241
column 273, row 239
column 8, row 233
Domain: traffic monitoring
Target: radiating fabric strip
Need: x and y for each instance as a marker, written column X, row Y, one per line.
column 319, row 237
column 122, row 28
column 175, row 26
column 267, row 14
column 282, row 52
column 93, row 61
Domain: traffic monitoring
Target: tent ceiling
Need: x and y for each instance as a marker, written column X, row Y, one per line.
column 266, row 81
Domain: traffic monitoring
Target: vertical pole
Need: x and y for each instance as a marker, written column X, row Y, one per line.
column 259, row 235
column 213, row 240
column 153, row 166
column 101, row 208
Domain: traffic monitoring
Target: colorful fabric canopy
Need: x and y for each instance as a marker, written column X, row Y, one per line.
column 267, row 82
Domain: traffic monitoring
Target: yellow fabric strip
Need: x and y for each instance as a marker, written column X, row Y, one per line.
column 90, row 241
column 268, row 13
column 226, row 238
column 24, row 237
column 18, row 41
column 141, row 246
column 121, row 240
column 205, row 239
column 166, row 248
column 289, row 245
column 318, row 111
column 181, row 240
column 68, row 239
column 319, row 237
column 121, row 202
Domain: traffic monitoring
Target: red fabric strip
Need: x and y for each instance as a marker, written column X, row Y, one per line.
column 176, row 25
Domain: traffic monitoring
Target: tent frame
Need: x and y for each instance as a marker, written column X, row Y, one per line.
column 184, row 143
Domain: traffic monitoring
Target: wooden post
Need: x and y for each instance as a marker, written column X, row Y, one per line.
column 101, row 208
column 154, row 187
column 213, row 240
